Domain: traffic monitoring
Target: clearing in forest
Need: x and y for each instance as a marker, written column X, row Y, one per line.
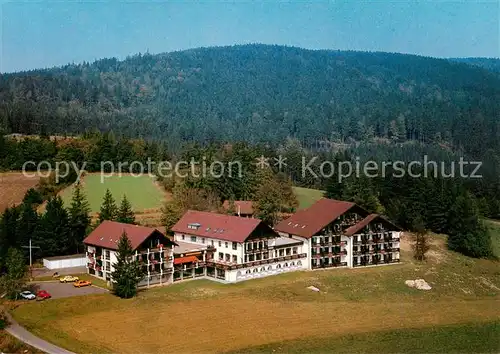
column 13, row 186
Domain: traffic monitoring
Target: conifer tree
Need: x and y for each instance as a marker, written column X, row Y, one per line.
column 53, row 231
column 127, row 272
column 420, row 246
column 28, row 223
column 14, row 280
column 108, row 208
column 125, row 213
column 79, row 219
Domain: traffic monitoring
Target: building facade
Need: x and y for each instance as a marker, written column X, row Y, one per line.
column 152, row 249
column 239, row 248
column 341, row 234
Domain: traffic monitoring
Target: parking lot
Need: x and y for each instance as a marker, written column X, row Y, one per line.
column 60, row 290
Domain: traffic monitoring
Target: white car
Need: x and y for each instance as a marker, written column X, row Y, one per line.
column 27, row 295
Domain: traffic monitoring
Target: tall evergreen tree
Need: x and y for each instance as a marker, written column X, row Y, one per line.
column 14, row 280
column 8, row 232
column 79, row 219
column 127, row 272
column 28, row 223
column 53, row 233
column 125, row 213
column 108, row 208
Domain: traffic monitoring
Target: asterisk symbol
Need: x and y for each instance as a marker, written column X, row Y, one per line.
column 280, row 162
column 262, row 162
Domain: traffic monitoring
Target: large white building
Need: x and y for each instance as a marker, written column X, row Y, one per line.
column 341, row 234
column 152, row 249
column 239, row 248
column 228, row 248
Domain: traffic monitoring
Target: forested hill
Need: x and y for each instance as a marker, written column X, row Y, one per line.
column 492, row 64
column 262, row 93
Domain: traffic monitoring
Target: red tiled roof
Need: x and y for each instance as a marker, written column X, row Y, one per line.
column 218, row 226
column 188, row 259
column 108, row 233
column 355, row 228
column 244, row 206
column 307, row 222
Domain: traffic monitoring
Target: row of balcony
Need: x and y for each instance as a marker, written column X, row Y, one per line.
column 329, row 265
column 377, row 240
column 254, row 263
column 382, row 261
column 377, row 251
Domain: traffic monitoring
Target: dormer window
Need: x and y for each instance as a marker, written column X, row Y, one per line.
column 194, row 226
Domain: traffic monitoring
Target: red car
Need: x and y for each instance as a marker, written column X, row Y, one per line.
column 42, row 295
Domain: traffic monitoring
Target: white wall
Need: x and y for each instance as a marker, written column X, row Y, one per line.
column 222, row 248
column 237, row 275
column 65, row 263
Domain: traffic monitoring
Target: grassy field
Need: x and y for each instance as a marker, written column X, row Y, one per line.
column 307, row 196
column 13, row 186
column 145, row 196
column 12, row 345
column 464, row 338
column 276, row 313
column 494, row 228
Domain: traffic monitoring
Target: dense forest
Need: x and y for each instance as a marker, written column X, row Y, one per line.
column 262, row 93
column 238, row 103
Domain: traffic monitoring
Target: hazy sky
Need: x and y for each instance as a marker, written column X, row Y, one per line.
column 41, row 34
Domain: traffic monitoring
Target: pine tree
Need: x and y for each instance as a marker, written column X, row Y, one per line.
column 467, row 234
column 53, row 231
column 79, row 219
column 420, row 246
column 14, row 280
column 28, row 223
column 108, row 208
column 127, row 272
column 125, row 213
column 8, row 232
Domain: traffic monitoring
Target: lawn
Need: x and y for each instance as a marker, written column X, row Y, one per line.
column 140, row 191
column 10, row 344
column 279, row 312
column 307, row 196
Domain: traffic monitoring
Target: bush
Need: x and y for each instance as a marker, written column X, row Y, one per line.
column 4, row 321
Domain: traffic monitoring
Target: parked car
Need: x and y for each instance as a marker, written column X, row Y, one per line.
column 68, row 279
column 80, row 283
column 42, row 295
column 27, row 295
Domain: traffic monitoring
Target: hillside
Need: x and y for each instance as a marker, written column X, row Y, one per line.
column 492, row 64
column 261, row 93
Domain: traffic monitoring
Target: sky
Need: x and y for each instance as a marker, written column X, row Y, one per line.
column 39, row 34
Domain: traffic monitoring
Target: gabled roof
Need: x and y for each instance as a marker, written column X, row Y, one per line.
column 108, row 233
column 366, row 221
column 307, row 222
column 356, row 227
column 218, row 226
column 245, row 207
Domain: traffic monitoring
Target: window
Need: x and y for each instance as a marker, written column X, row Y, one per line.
column 212, row 242
column 248, row 271
column 228, row 257
column 193, row 238
column 183, row 237
column 250, row 258
column 235, row 246
column 235, row 259
column 255, row 270
column 299, row 263
column 226, row 244
column 203, row 240
column 270, row 268
column 221, row 256
column 282, row 252
column 294, row 250
column 106, row 254
column 288, row 251
column 220, row 243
